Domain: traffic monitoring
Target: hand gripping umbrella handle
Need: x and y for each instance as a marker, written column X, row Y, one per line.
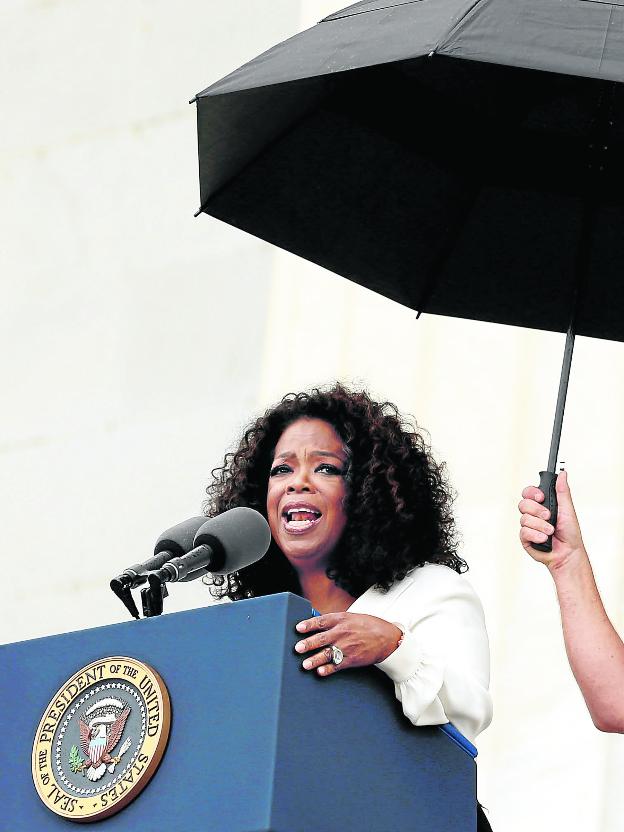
column 548, row 482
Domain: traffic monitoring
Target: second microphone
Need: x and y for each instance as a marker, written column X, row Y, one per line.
column 223, row 544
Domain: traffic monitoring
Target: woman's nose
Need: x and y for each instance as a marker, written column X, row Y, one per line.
column 300, row 482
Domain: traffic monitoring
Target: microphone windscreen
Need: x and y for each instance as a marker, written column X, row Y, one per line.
column 243, row 533
column 179, row 539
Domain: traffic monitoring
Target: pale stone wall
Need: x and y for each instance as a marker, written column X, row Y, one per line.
column 130, row 329
column 136, row 342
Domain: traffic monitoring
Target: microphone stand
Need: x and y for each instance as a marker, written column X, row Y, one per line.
column 152, row 597
column 122, row 591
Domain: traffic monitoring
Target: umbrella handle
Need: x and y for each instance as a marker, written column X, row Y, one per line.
column 548, row 481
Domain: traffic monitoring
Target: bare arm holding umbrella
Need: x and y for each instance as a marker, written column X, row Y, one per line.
column 595, row 650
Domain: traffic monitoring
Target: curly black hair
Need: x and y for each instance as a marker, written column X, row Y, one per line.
column 398, row 503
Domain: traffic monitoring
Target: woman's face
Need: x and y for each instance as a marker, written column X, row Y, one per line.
column 306, row 492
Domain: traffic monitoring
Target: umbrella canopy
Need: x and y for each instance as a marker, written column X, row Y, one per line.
column 462, row 158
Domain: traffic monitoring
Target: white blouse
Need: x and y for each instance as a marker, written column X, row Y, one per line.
column 441, row 669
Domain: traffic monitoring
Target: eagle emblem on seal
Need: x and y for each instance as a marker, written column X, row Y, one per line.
column 101, row 728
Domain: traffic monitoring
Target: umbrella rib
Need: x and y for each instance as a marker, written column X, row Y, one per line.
column 457, row 24
column 439, row 262
column 289, row 127
column 606, row 35
column 335, row 16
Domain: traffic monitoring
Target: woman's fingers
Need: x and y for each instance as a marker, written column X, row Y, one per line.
column 320, row 622
column 348, row 640
column 322, row 640
column 314, row 642
column 322, row 662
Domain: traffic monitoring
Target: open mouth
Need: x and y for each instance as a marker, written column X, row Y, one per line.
column 298, row 519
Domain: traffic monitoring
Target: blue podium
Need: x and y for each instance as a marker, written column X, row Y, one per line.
column 256, row 744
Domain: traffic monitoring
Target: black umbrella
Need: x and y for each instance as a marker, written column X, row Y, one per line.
column 462, row 158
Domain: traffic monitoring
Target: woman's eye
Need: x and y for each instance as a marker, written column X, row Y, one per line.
column 327, row 468
column 280, row 469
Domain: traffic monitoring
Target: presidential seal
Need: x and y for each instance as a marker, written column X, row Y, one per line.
column 101, row 739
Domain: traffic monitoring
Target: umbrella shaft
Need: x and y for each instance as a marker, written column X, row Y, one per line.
column 561, row 399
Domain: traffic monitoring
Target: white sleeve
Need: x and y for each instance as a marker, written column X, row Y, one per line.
column 441, row 669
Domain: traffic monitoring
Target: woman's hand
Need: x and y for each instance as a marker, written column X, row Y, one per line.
column 535, row 526
column 363, row 639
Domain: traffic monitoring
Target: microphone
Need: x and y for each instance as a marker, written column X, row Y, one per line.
column 173, row 542
column 224, row 544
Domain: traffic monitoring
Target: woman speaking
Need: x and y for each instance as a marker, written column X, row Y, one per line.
column 360, row 516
